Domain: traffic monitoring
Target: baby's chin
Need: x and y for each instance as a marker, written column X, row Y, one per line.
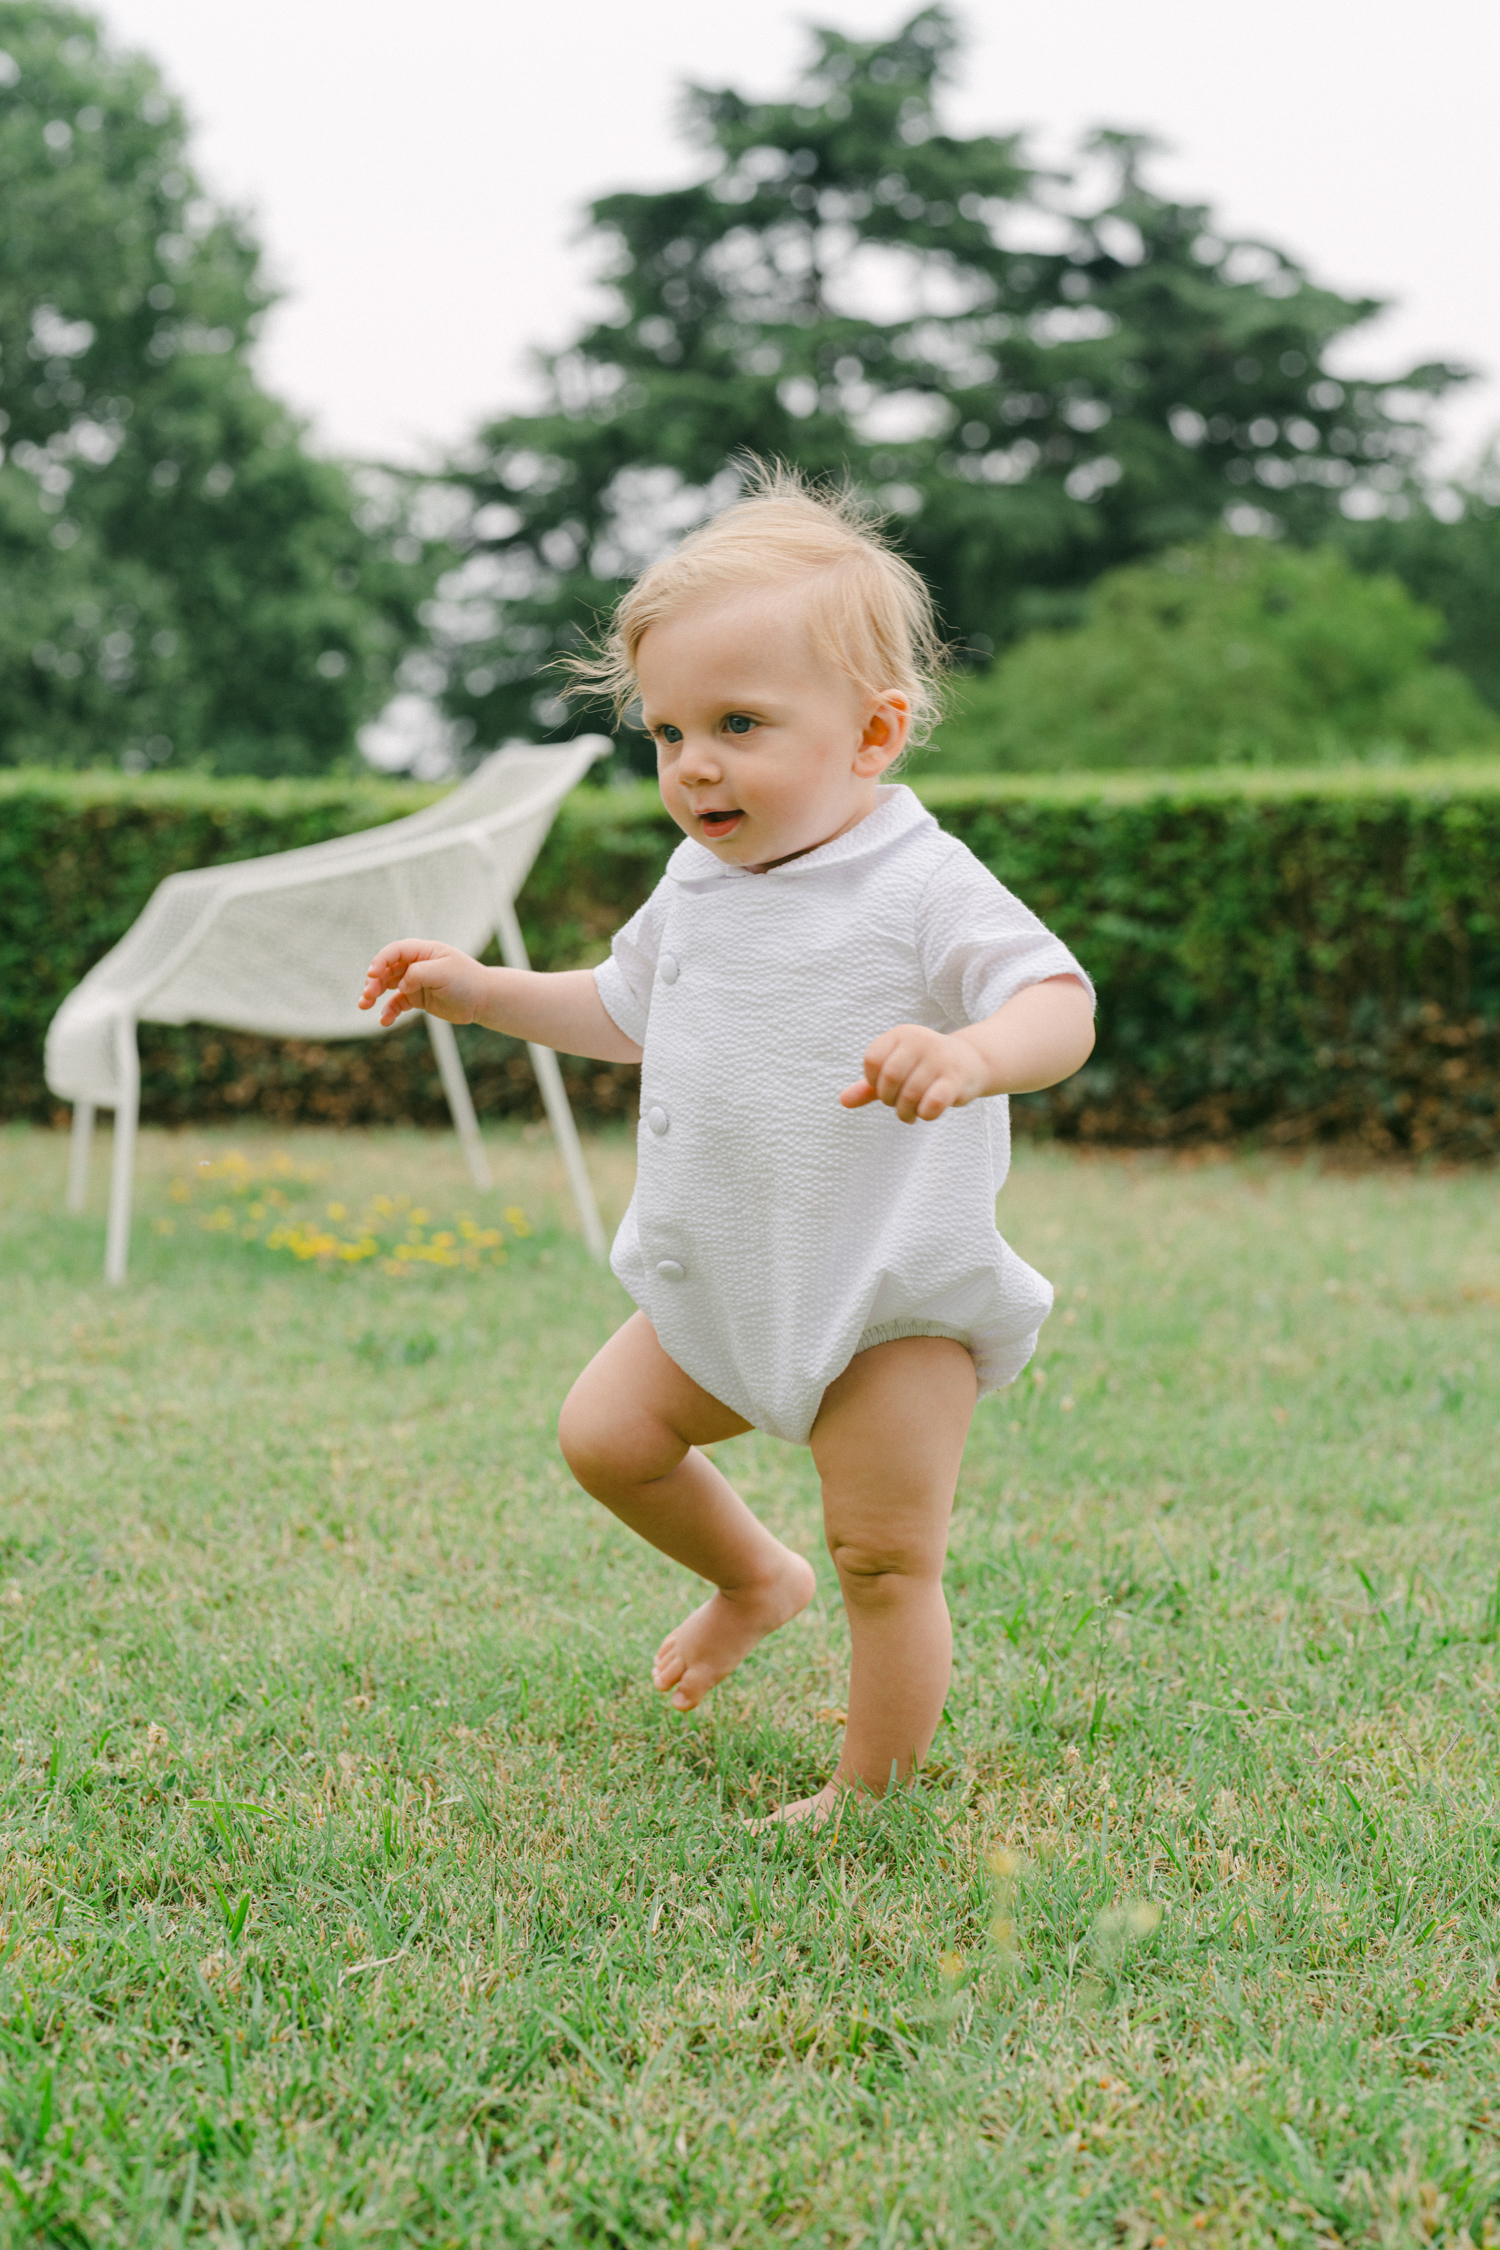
column 752, row 845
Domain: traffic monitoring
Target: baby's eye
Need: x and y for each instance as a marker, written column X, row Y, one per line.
column 738, row 723
column 669, row 734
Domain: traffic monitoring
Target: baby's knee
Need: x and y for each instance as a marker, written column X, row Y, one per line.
column 584, row 1439
column 608, row 1449
column 872, row 1574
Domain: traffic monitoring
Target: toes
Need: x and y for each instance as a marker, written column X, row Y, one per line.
column 814, row 1809
column 669, row 1666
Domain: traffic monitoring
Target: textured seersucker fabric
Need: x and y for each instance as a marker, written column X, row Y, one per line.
column 772, row 1231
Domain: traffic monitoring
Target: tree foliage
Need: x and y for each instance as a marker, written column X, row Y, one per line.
column 179, row 576
column 1041, row 379
column 1241, row 652
column 1451, row 560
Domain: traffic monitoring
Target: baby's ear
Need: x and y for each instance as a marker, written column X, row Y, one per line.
column 887, row 726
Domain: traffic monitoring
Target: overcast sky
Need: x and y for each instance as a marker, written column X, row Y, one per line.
column 417, row 172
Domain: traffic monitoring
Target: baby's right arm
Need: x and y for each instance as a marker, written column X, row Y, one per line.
column 559, row 1009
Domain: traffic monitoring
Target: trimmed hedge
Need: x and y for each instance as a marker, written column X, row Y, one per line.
column 1305, row 956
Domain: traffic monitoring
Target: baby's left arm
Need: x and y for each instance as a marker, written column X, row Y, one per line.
column 1037, row 1039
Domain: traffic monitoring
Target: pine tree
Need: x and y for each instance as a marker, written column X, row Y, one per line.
column 1039, row 384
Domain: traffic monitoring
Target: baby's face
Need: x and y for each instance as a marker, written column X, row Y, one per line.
column 763, row 749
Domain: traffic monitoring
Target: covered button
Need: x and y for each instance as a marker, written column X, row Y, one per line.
column 670, row 1270
column 658, row 1120
column 667, row 968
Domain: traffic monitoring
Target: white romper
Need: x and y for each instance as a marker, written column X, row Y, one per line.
column 774, row 1234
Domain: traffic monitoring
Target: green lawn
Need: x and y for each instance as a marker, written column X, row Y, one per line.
column 357, row 1888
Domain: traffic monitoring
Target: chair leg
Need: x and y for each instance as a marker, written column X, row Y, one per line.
column 565, row 1133
column 122, row 1169
column 554, row 1095
column 79, row 1149
column 460, row 1101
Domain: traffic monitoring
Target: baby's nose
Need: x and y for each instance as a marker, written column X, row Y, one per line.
column 699, row 759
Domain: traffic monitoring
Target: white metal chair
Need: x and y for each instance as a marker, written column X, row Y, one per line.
column 280, row 946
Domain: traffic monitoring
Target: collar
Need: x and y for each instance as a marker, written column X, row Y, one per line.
column 898, row 812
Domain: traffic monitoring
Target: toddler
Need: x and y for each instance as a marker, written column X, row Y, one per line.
column 811, row 1256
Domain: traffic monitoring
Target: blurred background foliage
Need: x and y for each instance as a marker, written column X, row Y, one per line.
column 1449, row 555
column 1238, row 653
column 180, row 577
column 1044, row 382
column 1040, row 379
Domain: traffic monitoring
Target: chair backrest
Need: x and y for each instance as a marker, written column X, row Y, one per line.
column 502, row 791
column 278, row 944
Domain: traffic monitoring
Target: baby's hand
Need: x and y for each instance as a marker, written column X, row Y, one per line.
column 918, row 1073
column 421, row 973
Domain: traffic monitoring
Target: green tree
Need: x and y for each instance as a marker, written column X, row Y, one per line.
column 179, row 576
column 1452, row 560
column 1241, row 652
column 1041, row 383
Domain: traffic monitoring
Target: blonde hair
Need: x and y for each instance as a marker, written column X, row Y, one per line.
column 866, row 610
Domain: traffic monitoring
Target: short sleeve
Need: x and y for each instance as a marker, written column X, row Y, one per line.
column 978, row 945
column 625, row 979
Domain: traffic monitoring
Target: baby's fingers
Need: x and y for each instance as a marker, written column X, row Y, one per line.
column 940, row 1095
column 903, row 1079
column 397, row 1004
column 855, row 1097
column 387, row 968
column 915, row 1098
column 926, row 1092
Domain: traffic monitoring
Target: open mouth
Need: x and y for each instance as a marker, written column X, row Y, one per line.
column 716, row 825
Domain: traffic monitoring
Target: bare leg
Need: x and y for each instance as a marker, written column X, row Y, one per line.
column 888, row 1442
column 630, row 1429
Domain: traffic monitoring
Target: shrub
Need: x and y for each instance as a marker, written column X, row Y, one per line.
column 1238, row 653
column 1304, row 955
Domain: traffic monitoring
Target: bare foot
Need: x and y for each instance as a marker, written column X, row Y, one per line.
column 824, row 1806
column 706, row 1647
